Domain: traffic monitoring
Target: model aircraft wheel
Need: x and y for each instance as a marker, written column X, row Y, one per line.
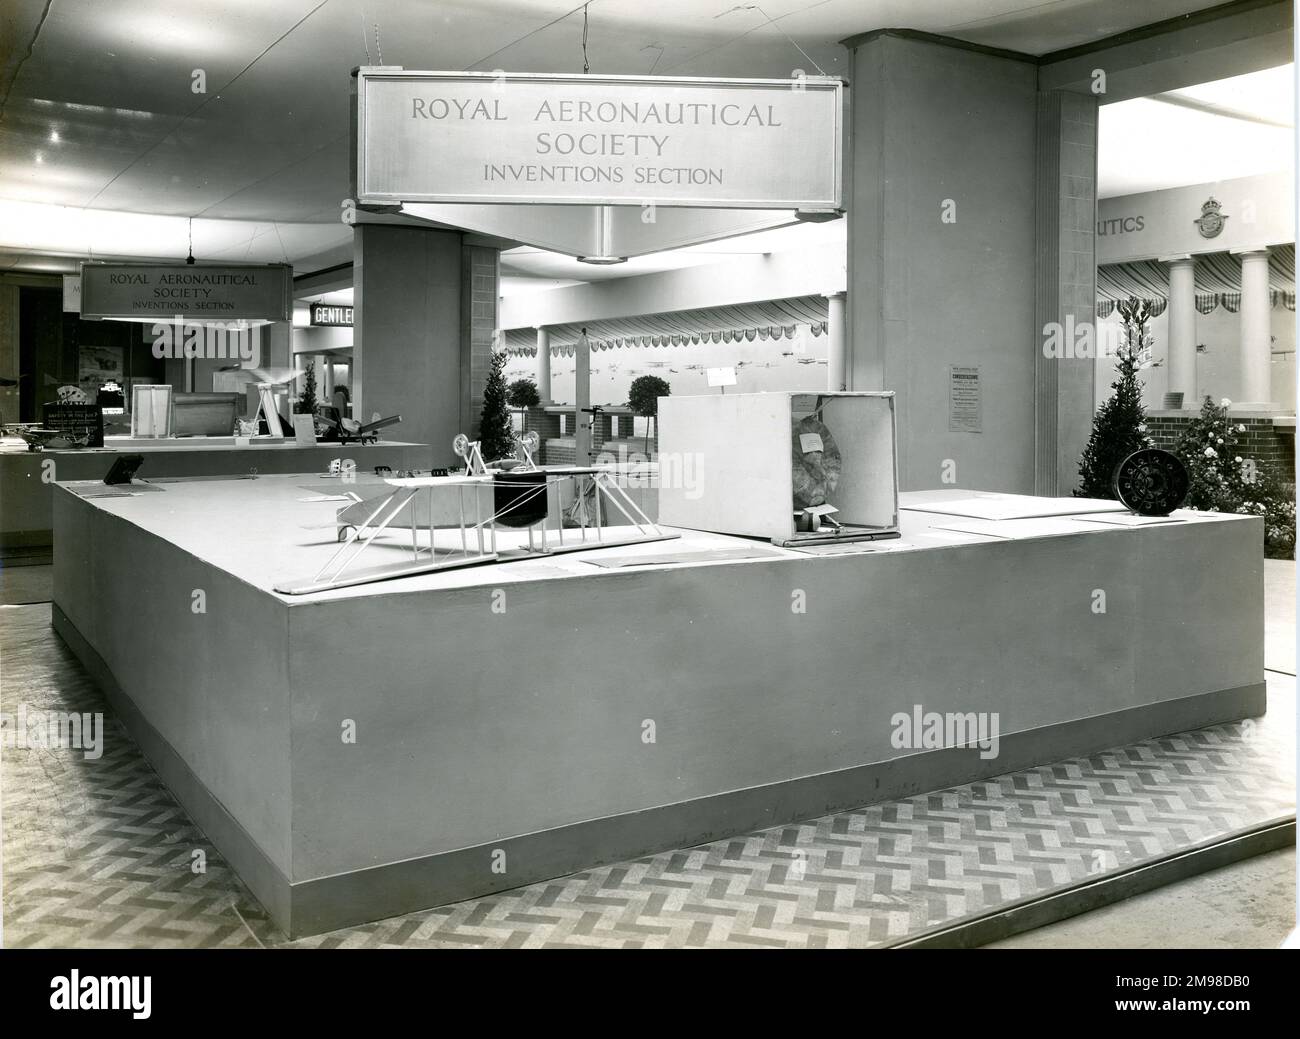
column 344, row 531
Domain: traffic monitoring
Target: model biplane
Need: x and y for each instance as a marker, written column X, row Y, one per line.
column 463, row 519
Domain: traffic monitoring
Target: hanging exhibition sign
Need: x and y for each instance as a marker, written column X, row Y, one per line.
column 131, row 291
column 71, row 294
column 598, row 140
column 331, row 315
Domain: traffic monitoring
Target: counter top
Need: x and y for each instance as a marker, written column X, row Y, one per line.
column 266, row 531
column 128, row 445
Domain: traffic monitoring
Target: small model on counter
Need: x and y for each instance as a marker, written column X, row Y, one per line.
column 339, row 429
column 1151, row 482
column 468, row 507
column 267, row 381
column 38, row 438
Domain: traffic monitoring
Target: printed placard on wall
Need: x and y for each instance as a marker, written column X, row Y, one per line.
column 124, row 291
column 602, row 140
column 965, row 400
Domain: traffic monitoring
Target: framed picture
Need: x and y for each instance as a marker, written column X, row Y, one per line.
column 97, row 365
column 151, row 410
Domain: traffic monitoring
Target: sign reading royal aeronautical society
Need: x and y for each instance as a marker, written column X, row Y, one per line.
column 158, row 291
column 598, row 140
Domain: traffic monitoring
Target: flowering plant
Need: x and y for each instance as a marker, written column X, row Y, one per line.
column 1224, row 478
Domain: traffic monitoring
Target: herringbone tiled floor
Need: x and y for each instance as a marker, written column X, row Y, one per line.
column 98, row 854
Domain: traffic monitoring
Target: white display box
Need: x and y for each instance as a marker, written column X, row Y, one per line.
column 727, row 464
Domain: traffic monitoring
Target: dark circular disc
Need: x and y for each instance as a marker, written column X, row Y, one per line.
column 1150, row 482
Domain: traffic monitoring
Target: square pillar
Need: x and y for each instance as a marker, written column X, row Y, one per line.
column 941, row 251
column 1065, row 283
column 407, row 352
column 836, row 341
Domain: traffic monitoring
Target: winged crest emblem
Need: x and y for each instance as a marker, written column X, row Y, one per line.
column 1212, row 219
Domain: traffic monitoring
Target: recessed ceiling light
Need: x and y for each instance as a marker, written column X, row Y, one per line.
column 39, row 158
column 54, row 136
column 602, row 261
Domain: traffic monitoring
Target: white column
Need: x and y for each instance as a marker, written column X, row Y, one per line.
column 582, row 399
column 837, row 341
column 1256, row 350
column 544, row 364
column 1182, row 328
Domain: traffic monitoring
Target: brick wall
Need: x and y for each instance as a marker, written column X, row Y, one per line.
column 547, row 427
column 1263, row 441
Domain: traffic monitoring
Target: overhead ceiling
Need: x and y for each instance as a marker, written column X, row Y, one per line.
column 99, row 109
column 1217, row 131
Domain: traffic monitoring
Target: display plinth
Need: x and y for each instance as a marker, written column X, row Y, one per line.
column 370, row 751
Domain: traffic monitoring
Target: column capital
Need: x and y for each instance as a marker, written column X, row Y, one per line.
column 837, row 294
column 1250, row 250
column 1177, row 258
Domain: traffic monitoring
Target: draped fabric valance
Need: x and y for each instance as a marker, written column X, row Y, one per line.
column 1218, row 282
column 773, row 319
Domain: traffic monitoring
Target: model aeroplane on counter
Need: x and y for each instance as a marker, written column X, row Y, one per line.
column 468, row 508
column 38, row 438
column 342, row 430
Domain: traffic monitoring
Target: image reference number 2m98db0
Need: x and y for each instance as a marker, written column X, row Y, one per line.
column 1186, row 981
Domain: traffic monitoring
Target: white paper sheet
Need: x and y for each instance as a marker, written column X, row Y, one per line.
column 1018, row 529
column 1013, row 506
column 1127, row 519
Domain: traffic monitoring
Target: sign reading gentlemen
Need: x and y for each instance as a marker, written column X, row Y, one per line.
column 598, row 140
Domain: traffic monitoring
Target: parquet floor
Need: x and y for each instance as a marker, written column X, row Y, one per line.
column 98, row 854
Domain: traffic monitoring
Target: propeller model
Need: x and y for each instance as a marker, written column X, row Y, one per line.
column 267, row 380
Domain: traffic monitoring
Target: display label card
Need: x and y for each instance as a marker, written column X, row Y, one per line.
column 821, row 510
column 721, row 376
column 810, row 442
column 304, row 430
column 965, row 400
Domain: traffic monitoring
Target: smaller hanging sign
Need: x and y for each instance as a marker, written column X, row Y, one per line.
column 140, row 291
column 331, row 315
